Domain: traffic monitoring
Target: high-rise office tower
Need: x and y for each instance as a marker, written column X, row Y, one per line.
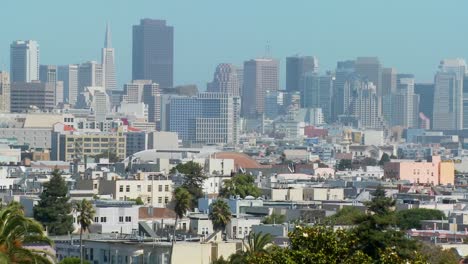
column 208, row 118
column 404, row 103
column 296, row 67
column 341, row 93
column 89, row 74
column 369, row 68
column 24, row 61
column 4, row 92
column 153, row 52
column 448, row 95
column 147, row 92
column 49, row 74
column 108, row 63
column 27, row 94
column 273, row 104
column 389, row 81
column 68, row 74
column 225, row 80
column 260, row 75
column 317, row 91
column 365, row 106
column 426, row 98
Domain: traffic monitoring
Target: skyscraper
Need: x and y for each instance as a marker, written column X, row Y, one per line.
column 68, row 74
column 389, row 81
column 24, row 61
column 260, row 75
column 404, row 103
column 369, row 68
column 316, row 92
column 296, row 67
column 341, row 94
column 4, row 92
column 448, row 95
column 89, row 74
column 108, row 63
column 147, row 92
column 426, row 98
column 153, row 52
column 208, row 118
column 49, row 74
column 365, row 106
column 37, row 94
column 225, row 80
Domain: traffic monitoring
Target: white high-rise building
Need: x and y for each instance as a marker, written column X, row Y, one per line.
column 225, row 80
column 24, row 61
column 4, row 92
column 366, row 107
column 68, row 74
column 147, row 92
column 404, row 103
column 108, row 63
column 448, row 95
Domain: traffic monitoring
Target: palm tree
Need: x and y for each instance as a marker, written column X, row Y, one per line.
column 183, row 201
column 16, row 231
column 85, row 217
column 220, row 214
column 256, row 244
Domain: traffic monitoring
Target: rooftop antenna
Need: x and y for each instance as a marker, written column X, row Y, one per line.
column 267, row 50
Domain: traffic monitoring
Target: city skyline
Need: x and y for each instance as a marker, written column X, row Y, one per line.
column 408, row 39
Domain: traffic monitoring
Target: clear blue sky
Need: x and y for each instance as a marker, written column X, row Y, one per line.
column 411, row 35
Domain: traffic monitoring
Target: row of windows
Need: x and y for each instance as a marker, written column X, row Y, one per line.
column 104, row 219
column 149, row 187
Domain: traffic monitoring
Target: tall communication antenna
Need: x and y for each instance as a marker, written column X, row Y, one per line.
column 267, row 50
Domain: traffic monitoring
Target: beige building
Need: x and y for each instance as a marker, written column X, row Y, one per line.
column 154, row 189
column 4, row 92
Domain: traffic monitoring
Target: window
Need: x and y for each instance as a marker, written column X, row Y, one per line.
column 121, row 219
column 128, row 219
column 139, row 188
column 121, row 188
column 103, row 219
column 159, row 199
column 95, row 186
column 160, row 188
column 128, row 188
column 166, row 199
column 166, row 188
column 149, row 199
column 149, row 188
column 240, row 230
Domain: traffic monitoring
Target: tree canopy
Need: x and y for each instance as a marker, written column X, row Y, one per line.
column 220, row 214
column 274, row 219
column 411, row 218
column 346, row 216
column 240, row 184
column 53, row 209
column 193, row 179
column 384, row 159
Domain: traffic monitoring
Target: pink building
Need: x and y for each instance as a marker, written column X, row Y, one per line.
column 434, row 171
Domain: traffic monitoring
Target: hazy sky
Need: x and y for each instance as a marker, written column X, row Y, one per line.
column 411, row 35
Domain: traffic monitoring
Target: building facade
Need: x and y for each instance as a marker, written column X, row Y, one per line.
column 153, row 52
column 225, row 80
column 296, row 67
column 68, row 74
column 4, row 92
column 24, row 61
column 108, row 63
column 33, row 94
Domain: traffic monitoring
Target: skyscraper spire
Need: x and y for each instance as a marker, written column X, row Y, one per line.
column 107, row 40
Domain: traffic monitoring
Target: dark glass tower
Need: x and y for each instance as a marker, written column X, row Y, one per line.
column 153, row 52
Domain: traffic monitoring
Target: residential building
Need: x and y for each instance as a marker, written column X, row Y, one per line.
column 365, row 106
column 108, row 63
column 389, row 81
column 260, row 75
column 153, row 52
column 448, row 95
column 24, row 61
column 225, row 80
column 296, row 67
column 209, row 118
column 433, row 171
column 33, row 94
column 68, row 74
column 5, row 92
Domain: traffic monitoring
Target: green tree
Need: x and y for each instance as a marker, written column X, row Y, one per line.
column 346, row 216
column 53, row 209
column 193, row 179
column 274, row 219
column 344, row 164
column 255, row 247
column 384, row 159
column 86, row 213
column 182, row 202
column 436, row 255
column 16, row 231
column 411, row 218
column 242, row 185
column 73, row 260
column 138, row 201
column 220, row 214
